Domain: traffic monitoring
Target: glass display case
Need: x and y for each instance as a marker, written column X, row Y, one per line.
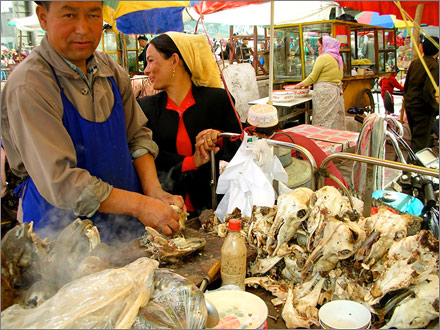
column 110, row 44
column 131, row 45
column 365, row 49
column 368, row 53
column 113, row 45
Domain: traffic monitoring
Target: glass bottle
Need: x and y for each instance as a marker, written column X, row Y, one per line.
column 233, row 256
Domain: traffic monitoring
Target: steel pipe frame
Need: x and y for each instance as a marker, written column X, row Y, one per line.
column 376, row 162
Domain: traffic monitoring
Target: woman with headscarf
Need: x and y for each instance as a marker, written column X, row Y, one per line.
column 326, row 77
column 187, row 115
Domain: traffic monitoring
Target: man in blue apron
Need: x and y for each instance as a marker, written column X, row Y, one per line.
column 71, row 125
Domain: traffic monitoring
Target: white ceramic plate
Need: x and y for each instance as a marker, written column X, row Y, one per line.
column 283, row 96
column 234, row 313
column 297, row 92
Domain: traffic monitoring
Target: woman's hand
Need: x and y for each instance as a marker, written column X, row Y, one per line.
column 298, row 86
column 205, row 142
column 201, row 155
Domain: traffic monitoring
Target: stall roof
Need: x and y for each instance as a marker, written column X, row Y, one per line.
column 285, row 12
column 29, row 23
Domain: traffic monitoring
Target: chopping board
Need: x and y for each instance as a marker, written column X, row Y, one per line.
column 194, row 266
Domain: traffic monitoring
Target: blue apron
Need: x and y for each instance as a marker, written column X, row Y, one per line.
column 102, row 149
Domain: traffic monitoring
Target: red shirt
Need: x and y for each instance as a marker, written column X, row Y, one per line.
column 388, row 84
column 183, row 142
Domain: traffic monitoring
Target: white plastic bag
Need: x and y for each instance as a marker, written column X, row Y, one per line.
column 176, row 303
column 109, row 299
column 247, row 180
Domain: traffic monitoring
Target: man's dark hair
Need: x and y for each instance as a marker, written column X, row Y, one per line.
column 166, row 46
column 43, row 3
column 429, row 49
column 142, row 38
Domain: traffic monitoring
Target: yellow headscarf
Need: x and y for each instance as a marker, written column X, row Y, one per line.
column 197, row 55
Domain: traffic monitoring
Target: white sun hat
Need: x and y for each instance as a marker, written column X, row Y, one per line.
column 262, row 115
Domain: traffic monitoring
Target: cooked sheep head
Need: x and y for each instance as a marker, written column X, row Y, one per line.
column 325, row 203
column 292, row 211
column 408, row 262
column 416, row 312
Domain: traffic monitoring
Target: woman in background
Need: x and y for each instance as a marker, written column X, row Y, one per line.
column 326, row 77
column 187, row 115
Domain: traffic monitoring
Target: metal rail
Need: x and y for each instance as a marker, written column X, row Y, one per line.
column 275, row 143
column 378, row 162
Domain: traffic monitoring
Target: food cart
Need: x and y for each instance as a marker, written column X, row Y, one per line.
column 368, row 53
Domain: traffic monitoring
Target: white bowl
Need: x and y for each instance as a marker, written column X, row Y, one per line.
column 283, row 95
column 344, row 314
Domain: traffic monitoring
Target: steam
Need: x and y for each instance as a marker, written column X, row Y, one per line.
column 113, row 228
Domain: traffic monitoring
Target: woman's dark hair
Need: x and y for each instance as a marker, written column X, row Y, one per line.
column 320, row 40
column 166, row 46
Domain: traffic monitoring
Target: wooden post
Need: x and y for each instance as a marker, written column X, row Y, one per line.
column 417, row 21
column 231, row 44
column 19, row 48
column 255, row 52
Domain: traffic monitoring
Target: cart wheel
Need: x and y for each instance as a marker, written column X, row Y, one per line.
column 365, row 100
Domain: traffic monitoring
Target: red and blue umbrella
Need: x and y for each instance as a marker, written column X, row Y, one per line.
column 373, row 18
column 430, row 13
column 155, row 17
column 145, row 17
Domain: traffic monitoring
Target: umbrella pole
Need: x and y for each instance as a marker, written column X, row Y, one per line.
column 271, row 47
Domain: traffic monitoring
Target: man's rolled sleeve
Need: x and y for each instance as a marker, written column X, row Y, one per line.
column 91, row 197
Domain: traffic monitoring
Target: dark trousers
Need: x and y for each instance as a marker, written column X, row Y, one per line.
column 421, row 124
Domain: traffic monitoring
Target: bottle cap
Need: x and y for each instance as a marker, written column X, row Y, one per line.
column 234, row 224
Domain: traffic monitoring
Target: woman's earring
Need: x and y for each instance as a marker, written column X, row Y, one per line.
column 172, row 76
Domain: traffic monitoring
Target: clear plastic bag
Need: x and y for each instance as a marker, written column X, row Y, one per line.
column 175, row 304
column 109, row 299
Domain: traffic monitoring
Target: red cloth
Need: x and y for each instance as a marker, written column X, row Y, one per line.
column 316, row 152
column 388, row 84
column 183, row 143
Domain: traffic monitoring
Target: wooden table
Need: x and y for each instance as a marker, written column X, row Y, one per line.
column 196, row 266
column 287, row 110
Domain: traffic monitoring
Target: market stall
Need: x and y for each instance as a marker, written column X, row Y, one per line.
column 368, row 53
column 311, row 246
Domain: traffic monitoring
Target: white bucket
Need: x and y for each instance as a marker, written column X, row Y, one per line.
column 239, row 309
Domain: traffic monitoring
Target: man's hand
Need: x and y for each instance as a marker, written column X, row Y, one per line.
column 158, row 214
column 169, row 198
column 153, row 211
